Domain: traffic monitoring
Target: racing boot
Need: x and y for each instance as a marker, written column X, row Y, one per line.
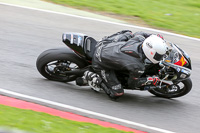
column 93, row 80
column 116, row 91
column 113, row 86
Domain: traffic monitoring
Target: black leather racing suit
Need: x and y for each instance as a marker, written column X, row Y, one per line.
column 121, row 51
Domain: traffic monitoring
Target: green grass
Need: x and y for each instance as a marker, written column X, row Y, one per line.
column 38, row 122
column 184, row 18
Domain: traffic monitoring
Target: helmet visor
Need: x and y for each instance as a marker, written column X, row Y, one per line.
column 158, row 56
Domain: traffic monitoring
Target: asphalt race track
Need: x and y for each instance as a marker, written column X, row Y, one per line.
column 25, row 33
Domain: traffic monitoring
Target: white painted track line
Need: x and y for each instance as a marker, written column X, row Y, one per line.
column 4, row 91
column 104, row 21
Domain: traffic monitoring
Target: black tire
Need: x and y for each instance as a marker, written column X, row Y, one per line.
column 61, row 55
column 183, row 91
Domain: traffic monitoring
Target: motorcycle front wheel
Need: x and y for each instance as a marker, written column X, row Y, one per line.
column 54, row 63
column 173, row 90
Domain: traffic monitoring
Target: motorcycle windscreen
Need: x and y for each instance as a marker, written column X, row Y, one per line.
column 181, row 62
column 177, row 58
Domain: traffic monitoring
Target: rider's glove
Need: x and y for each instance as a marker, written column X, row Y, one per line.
column 154, row 80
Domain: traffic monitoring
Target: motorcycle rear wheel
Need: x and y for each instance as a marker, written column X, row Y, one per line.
column 53, row 63
column 174, row 90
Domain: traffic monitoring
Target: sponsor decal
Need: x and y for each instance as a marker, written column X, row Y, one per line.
column 103, row 74
column 140, row 71
column 128, row 51
column 116, row 87
column 149, row 45
column 181, row 62
column 178, row 69
column 64, row 37
column 79, row 40
column 98, row 54
column 183, row 75
column 185, row 71
column 72, row 39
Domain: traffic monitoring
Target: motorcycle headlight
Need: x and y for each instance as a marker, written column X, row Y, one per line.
column 183, row 76
column 185, row 73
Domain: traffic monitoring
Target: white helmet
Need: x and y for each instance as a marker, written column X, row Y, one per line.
column 154, row 48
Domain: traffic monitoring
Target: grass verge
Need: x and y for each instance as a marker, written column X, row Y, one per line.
column 38, row 122
column 180, row 16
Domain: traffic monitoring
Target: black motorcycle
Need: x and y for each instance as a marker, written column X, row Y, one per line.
column 69, row 64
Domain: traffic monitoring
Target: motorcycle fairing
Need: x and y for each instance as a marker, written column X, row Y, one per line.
column 80, row 44
column 75, row 41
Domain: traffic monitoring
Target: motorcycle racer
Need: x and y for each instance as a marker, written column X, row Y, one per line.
column 120, row 61
column 124, row 51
